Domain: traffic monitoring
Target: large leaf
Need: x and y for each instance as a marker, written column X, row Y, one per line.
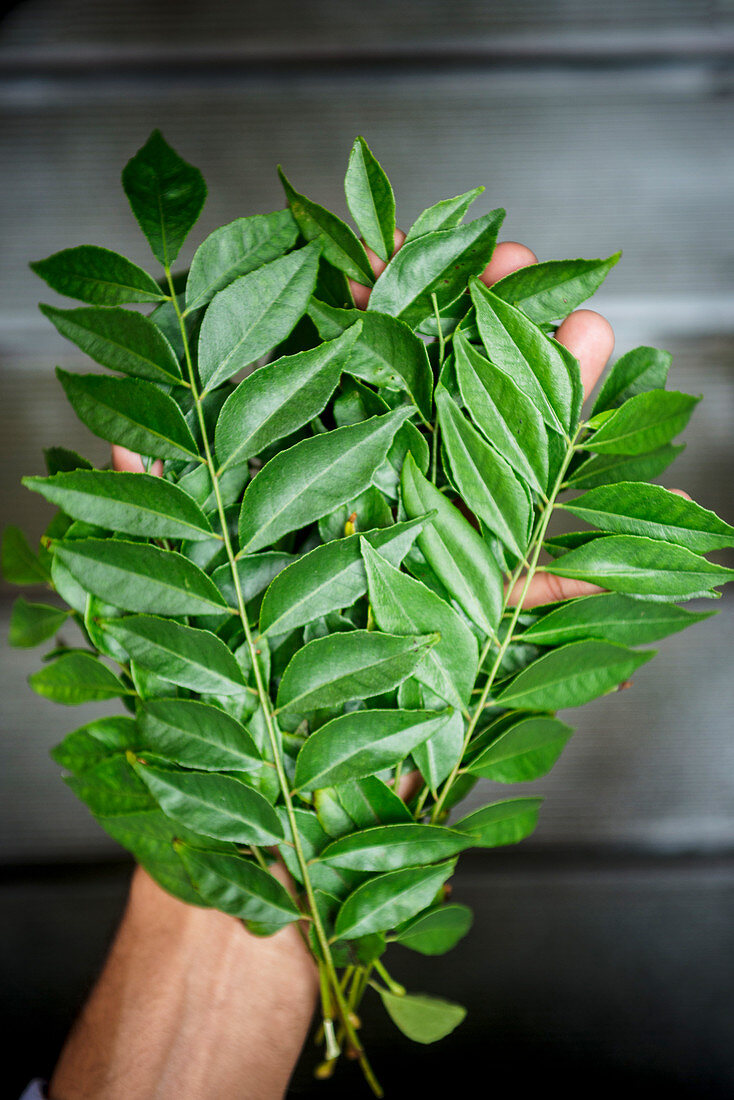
column 238, row 886
column 92, row 743
column 192, row 658
column 358, row 664
column 370, row 199
column 138, row 577
column 329, row 578
column 613, row 617
column 166, row 195
column 97, row 275
column 571, row 675
column 119, row 339
column 254, row 314
column 132, row 503
column 33, row 623
column 520, row 349
column 436, row 758
column 338, row 243
column 503, row 413
column 488, row 485
column 446, row 214
column 77, row 678
column 279, row 398
column 437, row 263
column 642, row 566
column 390, row 847
column 361, row 743
column 313, row 477
column 218, row 806
column 197, row 735
column 551, row 290
column 633, row 508
column 237, row 249
column 402, row 604
column 388, row 899
column 525, row 751
column 422, row 1018
column 645, row 422
column 639, row 370
column 607, row 469
column 501, row 823
column 437, row 930
column 457, row 554
column 130, row 411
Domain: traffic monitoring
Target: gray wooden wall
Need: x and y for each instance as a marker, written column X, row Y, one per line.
column 599, row 127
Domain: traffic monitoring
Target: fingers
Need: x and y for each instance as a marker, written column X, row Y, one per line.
column 590, row 339
column 361, row 294
column 508, row 256
column 547, row 588
column 122, row 459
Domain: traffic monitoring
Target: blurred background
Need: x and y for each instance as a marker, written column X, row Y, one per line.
column 602, row 954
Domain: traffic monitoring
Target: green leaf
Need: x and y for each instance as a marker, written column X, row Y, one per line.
column 642, row 566
column 119, row 339
column 77, row 678
column 387, row 352
column 643, row 423
column 633, row 508
column 329, row 578
column 277, row 399
column 166, row 194
column 613, row 617
column 508, row 419
column 390, row 847
column 238, row 886
column 192, row 658
column 313, row 477
column 446, row 214
column 386, row 900
column 422, row 1018
column 130, row 411
column 487, row 484
column 338, row 243
column 457, row 554
column 254, row 314
column 218, row 806
column 571, row 675
column 639, row 370
column 361, row 743
column 197, row 735
column 97, row 275
column 138, row 577
column 500, row 823
column 402, row 604
column 521, row 350
column 436, row 757
column 437, row 264
column 607, row 469
column 331, row 671
column 131, row 503
column 525, row 751
column 437, row 930
column 237, row 249
column 60, row 460
column 369, row 801
column 33, row 623
column 92, row 743
column 551, row 290
column 370, row 200
column 19, row 564
column 111, row 787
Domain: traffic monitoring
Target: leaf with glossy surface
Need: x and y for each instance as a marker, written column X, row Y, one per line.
column 77, row 678
column 613, row 617
column 97, row 275
column 644, row 423
column 388, row 899
column 446, row 214
column 641, row 369
column 336, row 240
column 391, row 847
column 369, row 801
column 551, row 290
column 279, row 398
column 33, row 623
column 254, row 314
column 92, row 743
column 608, row 469
column 525, row 751
column 437, row 930
column 500, row 823
column 238, row 886
column 314, row 477
column 370, row 199
column 422, row 1018
column 197, row 735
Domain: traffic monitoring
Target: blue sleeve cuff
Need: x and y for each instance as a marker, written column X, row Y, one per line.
column 35, row 1091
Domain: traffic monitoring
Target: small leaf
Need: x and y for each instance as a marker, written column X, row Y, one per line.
column 33, row 623
column 437, row 756
column 386, row 900
column 94, row 742
column 60, row 460
column 254, row 314
column 77, row 678
column 119, row 339
column 525, row 751
column 19, row 564
column 131, row 503
column 369, row 801
column 501, row 823
column 361, row 743
column 238, row 886
column 550, row 291
column 422, row 1018
column 97, row 275
column 338, row 243
column 639, row 370
column 607, row 469
column 437, row 930
column 299, row 485
column 237, row 249
column 613, row 617
column 197, row 735
column 370, row 200
column 131, row 412
column 390, row 847
column 166, row 195
column 645, row 422
column 446, row 214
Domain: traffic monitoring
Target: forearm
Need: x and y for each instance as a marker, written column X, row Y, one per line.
column 189, row 1005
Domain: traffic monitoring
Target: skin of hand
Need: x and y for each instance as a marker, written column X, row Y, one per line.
column 191, row 1005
